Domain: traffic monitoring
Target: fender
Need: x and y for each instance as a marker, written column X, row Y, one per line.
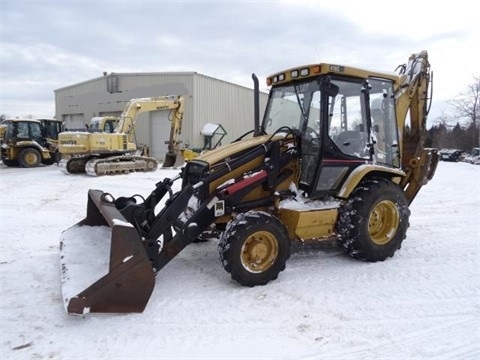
column 363, row 171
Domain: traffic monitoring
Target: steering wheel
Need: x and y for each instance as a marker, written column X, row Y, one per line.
column 314, row 139
column 311, row 130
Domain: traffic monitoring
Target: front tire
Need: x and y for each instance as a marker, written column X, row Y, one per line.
column 254, row 248
column 374, row 221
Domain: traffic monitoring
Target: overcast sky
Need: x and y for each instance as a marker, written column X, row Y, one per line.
column 46, row 45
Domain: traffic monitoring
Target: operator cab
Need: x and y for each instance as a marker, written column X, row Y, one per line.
column 51, row 128
column 344, row 122
column 24, row 130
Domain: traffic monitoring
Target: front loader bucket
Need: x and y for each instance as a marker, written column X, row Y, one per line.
column 173, row 159
column 104, row 266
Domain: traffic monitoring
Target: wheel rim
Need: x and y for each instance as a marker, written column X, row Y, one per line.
column 383, row 222
column 259, row 251
column 30, row 158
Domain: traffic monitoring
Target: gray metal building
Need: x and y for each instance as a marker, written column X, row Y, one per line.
column 207, row 101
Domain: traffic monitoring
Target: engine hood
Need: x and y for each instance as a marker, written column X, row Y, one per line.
column 234, row 149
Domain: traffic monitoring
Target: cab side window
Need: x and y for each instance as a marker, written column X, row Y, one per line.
column 22, row 130
column 347, row 126
column 36, row 133
column 384, row 133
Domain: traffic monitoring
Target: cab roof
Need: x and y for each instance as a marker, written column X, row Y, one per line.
column 312, row 70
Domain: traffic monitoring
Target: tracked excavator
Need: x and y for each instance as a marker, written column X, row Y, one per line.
column 324, row 164
column 102, row 153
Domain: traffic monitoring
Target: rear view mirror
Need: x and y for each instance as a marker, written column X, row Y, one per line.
column 328, row 87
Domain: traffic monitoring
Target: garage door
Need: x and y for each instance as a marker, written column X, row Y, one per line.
column 74, row 121
column 160, row 134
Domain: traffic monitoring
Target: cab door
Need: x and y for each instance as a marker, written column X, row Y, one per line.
column 349, row 135
column 35, row 131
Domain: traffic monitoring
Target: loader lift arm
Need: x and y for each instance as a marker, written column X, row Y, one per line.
column 153, row 227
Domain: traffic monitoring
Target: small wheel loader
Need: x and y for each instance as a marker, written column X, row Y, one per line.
column 338, row 156
column 30, row 142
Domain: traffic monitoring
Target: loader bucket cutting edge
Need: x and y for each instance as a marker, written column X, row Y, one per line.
column 104, row 267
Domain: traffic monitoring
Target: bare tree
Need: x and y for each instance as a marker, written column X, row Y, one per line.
column 468, row 106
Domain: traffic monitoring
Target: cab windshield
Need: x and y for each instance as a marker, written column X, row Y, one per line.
column 360, row 120
column 10, row 132
column 289, row 106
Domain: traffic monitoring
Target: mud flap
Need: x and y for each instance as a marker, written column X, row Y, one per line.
column 104, row 266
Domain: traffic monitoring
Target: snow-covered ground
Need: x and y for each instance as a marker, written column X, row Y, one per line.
column 424, row 303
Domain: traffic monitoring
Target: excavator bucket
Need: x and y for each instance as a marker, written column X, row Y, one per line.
column 173, row 159
column 104, row 266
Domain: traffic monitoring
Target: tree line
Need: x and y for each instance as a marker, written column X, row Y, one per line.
column 444, row 136
column 462, row 137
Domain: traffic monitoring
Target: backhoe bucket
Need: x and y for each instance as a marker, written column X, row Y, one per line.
column 104, row 266
column 173, row 159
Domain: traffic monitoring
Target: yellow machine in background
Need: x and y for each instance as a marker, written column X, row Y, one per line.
column 101, row 153
column 321, row 166
column 3, row 130
column 103, row 124
column 29, row 142
column 213, row 135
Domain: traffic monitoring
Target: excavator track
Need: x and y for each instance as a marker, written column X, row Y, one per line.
column 122, row 164
column 75, row 165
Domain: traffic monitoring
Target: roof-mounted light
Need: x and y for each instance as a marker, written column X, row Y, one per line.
column 304, row 72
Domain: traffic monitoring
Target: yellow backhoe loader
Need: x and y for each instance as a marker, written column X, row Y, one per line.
column 102, row 153
column 321, row 166
column 29, row 142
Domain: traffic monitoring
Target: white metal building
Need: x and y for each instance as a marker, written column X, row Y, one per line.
column 207, row 101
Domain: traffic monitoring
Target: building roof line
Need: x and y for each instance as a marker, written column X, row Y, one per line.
column 166, row 73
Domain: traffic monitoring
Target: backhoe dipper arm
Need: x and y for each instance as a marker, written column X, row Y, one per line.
column 412, row 97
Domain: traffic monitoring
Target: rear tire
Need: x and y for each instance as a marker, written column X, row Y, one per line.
column 29, row 157
column 374, row 221
column 254, row 248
